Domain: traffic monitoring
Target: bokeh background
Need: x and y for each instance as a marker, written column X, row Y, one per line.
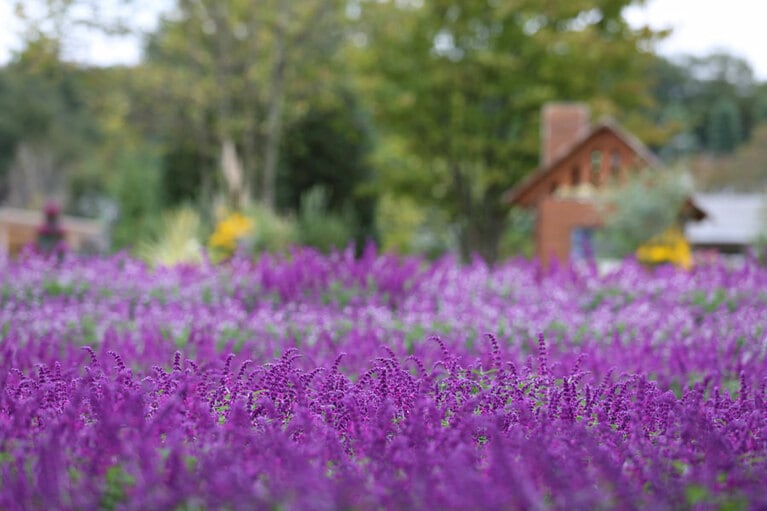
column 184, row 126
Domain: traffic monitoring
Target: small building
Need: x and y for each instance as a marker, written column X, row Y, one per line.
column 734, row 222
column 19, row 228
column 577, row 159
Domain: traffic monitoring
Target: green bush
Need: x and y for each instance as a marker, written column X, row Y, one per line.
column 318, row 226
column 271, row 232
column 644, row 207
column 406, row 227
column 137, row 192
column 519, row 237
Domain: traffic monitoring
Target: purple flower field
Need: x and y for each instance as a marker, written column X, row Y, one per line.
column 311, row 382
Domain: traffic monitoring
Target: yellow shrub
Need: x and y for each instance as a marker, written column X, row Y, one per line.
column 668, row 247
column 229, row 232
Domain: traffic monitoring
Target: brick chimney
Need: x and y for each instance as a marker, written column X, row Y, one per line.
column 561, row 125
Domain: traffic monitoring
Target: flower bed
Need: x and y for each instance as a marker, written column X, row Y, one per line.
column 329, row 382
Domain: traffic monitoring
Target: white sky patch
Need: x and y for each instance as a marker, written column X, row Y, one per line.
column 91, row 46
column 102, row 50
column 9, row 28
column 703, row 26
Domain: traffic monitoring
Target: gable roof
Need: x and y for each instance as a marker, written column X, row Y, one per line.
column 514, row 195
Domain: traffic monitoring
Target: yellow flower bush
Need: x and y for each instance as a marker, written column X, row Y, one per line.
column 668, row 247
column 229, row 232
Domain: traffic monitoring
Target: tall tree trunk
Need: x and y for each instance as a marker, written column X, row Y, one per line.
column 222, row 65
column 481, row 235
column 237, row 192
column 467, row 235
column 35, row 175
column 275, row 112
column 252, row 159
column 482, row 222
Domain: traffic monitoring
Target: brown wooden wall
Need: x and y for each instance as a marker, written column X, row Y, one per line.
column 556, row 220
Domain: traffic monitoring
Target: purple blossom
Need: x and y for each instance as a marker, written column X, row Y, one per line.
column 329, row 382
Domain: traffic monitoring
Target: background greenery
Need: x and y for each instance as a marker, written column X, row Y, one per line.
column 401, row 122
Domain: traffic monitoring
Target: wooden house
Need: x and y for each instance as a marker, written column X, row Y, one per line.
column 577, row 160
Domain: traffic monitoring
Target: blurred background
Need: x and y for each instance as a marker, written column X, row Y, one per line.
column 176, row 126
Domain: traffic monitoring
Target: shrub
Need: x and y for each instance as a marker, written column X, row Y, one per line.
column 176, row 239
column 318, row 226
column 641, row 209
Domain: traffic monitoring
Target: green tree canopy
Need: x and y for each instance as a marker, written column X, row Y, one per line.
column 724, row 126
column 233, row 74
column 46, row 124
column 711, row 102
column 462, row 84
column 329, row 147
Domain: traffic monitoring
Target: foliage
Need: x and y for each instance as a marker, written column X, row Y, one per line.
column 644, row 207
column 398, row 219
column 310, row 381
column 407, row 227
column 137, row 191
column 272, row 232
column 184, row 168
column 743, row 171
column 430, row 105
column 235, row 74
column 462, row 85
column 255, row 230
column 318, row 226
column 670, row 246
column 328, row 147
column 724, row 126
column 44, row 107
column 229, row 232
column 710, row 103
column 519, row 238
column 176, row 240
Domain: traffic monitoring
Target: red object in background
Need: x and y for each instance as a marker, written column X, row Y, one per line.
column 50, row 235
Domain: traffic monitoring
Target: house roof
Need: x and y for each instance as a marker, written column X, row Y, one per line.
column 732, row 219
column 514, row 195
column 33, row 218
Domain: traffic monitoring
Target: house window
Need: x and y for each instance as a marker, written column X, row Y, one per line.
column 554, row 187
column 581, row 243
column 596, row 167
column 575, row 176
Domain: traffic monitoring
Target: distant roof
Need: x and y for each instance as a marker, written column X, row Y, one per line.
column 34, row 218
column 732, row 219
column 608, row 124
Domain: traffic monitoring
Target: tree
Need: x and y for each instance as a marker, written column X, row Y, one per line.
column 745, row 170
column 229, row 71
column 462, row 85
column 46, row 125
column 328, row 147
column 724, row 126
column 711, row 102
